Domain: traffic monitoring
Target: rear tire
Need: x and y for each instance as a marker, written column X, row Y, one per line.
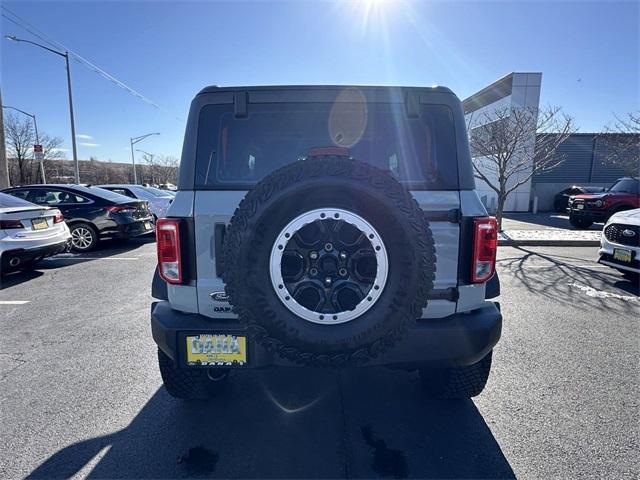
column 457, row 382
column 84, row 237
column 190, row 384
column 579, row 222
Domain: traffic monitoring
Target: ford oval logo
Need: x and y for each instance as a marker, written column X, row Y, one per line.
column 628, row 233
column 219, row 296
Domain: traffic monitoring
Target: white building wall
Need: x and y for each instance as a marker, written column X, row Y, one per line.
column 516, row 90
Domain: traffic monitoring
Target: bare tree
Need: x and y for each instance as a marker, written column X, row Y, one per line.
column 20, row 138
column 620, row 144
column 166, row 168
column 510, row 145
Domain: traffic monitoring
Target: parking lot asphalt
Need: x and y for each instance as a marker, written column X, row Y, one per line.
column 81, row 395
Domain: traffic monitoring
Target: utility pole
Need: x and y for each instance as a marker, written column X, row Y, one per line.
column 4, row 164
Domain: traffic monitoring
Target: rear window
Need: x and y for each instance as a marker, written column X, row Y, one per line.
column 236, row 153
column 103, row 193
column 9, row 201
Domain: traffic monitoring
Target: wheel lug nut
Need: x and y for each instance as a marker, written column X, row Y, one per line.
column 343, row 272
column 313, row 255
column 313, row 271
column 328, row 247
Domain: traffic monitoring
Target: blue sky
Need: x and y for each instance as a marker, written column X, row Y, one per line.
column 588, row 53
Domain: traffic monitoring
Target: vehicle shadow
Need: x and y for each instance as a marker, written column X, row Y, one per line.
column 556, row 276
column 511, row 221
column 295, row 423
column 105, row 250
column 16, row 278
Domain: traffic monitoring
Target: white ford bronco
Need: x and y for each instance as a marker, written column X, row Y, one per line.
column 330, row 226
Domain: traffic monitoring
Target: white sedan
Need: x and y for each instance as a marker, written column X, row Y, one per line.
column 157, row 199
column 620, row 242
column 29, row 233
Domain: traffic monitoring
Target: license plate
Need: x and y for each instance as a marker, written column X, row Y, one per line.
column 622, row 254
column 39, row 223
column 580, row 206
column 216, row 350
column 147, row 226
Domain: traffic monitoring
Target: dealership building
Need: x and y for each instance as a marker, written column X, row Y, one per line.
column 583, row 154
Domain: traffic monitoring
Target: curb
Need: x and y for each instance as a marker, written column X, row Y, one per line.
column 548, row 243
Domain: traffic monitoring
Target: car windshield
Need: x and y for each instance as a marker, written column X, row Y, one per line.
column 9, row 201
column 625, row 185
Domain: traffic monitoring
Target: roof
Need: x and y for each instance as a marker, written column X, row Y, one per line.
column 217, row 88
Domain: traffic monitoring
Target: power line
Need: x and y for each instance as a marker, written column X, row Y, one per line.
column 22, row 23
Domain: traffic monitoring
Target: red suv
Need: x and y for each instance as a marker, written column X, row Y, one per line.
column 588, row 208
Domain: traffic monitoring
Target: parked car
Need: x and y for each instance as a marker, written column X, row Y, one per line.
column 158, row 200
column 308, row 234
column 93, row 214
column 167, row 186
column 620, row 242
column 587, row 208
column 561, row 200
column 29, row 233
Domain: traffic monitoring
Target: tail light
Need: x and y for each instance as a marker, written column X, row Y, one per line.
column 9, row 224
column 120, row 209
column 485, row 245
column 58, row 218
column 168, row 244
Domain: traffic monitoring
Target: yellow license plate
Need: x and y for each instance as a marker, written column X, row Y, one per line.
column 39, row 223
column 216, row 350
column 622, row 254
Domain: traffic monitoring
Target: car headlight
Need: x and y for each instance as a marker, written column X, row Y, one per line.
column 598, row 203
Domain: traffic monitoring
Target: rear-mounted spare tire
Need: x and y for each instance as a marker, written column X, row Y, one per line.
column 328, row 260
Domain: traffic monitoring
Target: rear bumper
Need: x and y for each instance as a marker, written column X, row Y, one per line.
column 124, row 231
column 15, row 259
column 460, row 339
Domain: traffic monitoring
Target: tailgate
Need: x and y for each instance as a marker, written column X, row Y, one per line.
column 214, row 209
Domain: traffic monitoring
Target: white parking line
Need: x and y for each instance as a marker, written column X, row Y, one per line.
column 13, row 302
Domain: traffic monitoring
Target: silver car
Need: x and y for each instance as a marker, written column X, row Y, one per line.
column 157, row 199
column 29, row 233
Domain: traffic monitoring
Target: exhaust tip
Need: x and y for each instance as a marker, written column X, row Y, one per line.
column 14, row 262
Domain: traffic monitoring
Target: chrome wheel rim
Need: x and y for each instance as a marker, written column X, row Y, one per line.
column 81, row 238
column 329, row 266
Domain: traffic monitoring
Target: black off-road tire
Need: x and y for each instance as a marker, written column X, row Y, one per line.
column 189, row 384
column 458, row 382
column 328, row 182
column 579, row 222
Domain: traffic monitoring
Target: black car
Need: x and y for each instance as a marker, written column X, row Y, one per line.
column 92, row 213
column 561, row 200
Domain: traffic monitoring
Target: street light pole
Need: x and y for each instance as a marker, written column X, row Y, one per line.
column 150, row 155
column 73, row 126
column 133, row 141
column 35, row 126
